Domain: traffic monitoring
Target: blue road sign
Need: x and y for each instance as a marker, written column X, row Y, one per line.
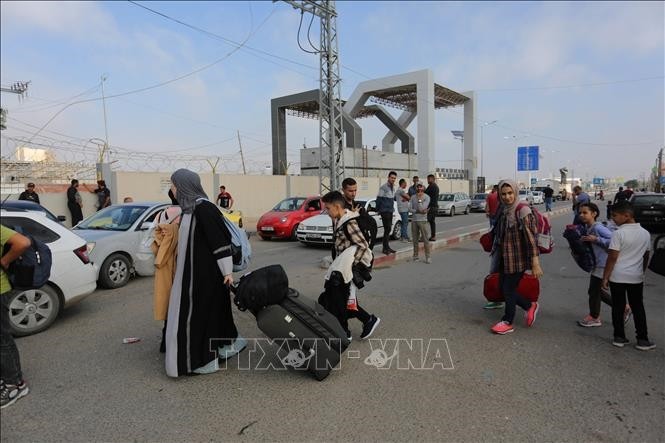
column 598, row 181
column 662, row 180
column 527, row 158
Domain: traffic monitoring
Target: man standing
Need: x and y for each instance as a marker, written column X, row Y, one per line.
column 224, row 199
column 619, row 196
column 74, row 202
column 29, row 194
column 548, row 193
column 413, row 188
column 419, row 205
column 12, row 385
column 579, row 197
column 492, row 205
column 402, row 197
column 103, row 195
column 433, row 192
column 385, row 206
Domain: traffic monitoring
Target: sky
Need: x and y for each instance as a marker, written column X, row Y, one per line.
column 582, row 80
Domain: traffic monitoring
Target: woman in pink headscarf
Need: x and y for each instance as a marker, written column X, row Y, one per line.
column 517, row 249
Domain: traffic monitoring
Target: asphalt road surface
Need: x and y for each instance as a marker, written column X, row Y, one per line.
column 553, row 382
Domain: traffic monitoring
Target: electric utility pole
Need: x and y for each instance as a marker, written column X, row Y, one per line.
column 242, row 157
column 331, row 151
column 18, row 88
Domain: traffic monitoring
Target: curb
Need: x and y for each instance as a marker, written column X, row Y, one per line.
column 407, row 252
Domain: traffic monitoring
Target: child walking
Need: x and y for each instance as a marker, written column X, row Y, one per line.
column 627, row 261
column 598, row 236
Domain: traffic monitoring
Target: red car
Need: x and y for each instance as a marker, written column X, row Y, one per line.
column 282, row 221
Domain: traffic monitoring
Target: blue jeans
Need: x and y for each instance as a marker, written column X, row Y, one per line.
column 508, row 286
column 405, row 224
column 548, row 204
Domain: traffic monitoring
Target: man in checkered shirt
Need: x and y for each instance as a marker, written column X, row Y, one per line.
column 338, row 287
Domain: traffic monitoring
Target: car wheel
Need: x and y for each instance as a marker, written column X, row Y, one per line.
column 32, row 310
column 466, row 211
column 294, row 232
column 115, row 271
column 452, row 211
column 397, row 231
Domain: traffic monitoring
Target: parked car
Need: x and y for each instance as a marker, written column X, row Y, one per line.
column 319, row 229
column 526, row 196
column 479, row 202
column 233, row 215
column 649, row 208
column 538, row 197
column 25, row 205
column 453, row 203
column 73, row 276
column 283, row 220
column 116, row 238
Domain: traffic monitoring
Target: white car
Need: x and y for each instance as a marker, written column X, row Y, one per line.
column 72, row 275
column 318, row 230
column 526, row 196
column 538, row 198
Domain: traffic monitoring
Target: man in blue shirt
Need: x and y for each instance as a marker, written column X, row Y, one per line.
column 579, row 197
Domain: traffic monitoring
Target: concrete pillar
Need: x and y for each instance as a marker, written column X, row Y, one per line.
column 425, row 110
column 278, row 120
column 470, row 138
column 389, row 140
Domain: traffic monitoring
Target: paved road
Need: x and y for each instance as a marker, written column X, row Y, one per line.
column 553, row 382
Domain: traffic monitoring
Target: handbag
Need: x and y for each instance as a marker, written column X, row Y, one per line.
column 487, row 240
column 529, row 288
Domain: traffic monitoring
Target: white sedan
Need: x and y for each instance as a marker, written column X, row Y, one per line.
column 72, row 275
column 538, row 198
column 318, row 230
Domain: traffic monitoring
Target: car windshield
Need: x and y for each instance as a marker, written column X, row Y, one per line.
column 522, row 192
column 289, row 204
column 479, row 196
column 446, row 197
column 113, row 218
column 648, row 200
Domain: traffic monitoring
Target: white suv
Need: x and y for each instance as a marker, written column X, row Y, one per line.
column 72, row 275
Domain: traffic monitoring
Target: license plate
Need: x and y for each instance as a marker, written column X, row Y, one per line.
column 313, row 235
column 652, row 212
column 267, row 228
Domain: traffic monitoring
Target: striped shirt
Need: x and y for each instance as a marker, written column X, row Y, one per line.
column 518, row 244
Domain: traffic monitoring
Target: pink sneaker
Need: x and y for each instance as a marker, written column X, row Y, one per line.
column 530, row 315
column 502, row 328
column 589, row 322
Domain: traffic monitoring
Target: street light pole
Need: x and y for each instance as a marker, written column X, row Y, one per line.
column 482, row 160
column 106, row 129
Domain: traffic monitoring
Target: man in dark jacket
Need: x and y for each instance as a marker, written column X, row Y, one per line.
column 74, row 202
column 29, row 194
column 433, row 192
column 385, row 206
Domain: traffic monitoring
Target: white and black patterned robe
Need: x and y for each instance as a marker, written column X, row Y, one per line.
column 200, row 318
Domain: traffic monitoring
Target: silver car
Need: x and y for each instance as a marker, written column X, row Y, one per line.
column 453, row 203
column 479, row 202
column 118, row 242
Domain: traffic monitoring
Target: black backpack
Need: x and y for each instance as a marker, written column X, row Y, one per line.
column 657, row 263
column 260, row 288
column 367, row 226
column 33, row 268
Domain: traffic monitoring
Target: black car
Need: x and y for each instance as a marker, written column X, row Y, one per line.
column 25, row 205
column 649, row 208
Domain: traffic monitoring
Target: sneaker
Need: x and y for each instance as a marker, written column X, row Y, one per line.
column 494, row 305
column 620, row 342
column 428, row 260
column 502, row 328
column 387, row 251
column 228, row 351
column 392, row 251
column 589, row 322
column 370, row 326
column 416, row 258
column 432, row 239
column 627, row 313
column 530, row 315
column 10, row 393
column 645, row 345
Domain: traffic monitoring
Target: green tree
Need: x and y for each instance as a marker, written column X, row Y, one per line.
column 632, row 184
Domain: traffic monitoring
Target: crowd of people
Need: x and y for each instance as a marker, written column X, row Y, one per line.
column 194, row 268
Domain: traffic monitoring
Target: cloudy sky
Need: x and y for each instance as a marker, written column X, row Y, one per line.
column 582, row 80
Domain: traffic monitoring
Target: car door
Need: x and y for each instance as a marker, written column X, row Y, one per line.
column 370, row 207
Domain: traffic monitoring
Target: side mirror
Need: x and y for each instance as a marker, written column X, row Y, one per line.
column 62, row 218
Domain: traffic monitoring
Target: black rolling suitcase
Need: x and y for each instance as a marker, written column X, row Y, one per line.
column 313, row 336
